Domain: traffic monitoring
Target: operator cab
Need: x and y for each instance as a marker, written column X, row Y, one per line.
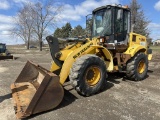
column 2, row 48
column 111, row 22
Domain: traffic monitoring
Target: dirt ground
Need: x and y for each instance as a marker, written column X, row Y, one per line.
column 121, row 99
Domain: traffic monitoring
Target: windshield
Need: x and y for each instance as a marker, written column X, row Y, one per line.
column 102, row 23
column 1, row 46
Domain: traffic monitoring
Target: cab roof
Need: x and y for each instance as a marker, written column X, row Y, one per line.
column 109, row 6
column 2, row 44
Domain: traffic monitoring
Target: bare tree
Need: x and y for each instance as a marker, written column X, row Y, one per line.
column 34, row 19
column 23, row 24
column 45, row 18
column 139, row 20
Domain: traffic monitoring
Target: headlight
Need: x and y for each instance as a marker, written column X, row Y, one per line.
column 58, row 55
column 101, row 39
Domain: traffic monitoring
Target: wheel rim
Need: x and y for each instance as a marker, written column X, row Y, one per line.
column 141, row 66
column 93, row 75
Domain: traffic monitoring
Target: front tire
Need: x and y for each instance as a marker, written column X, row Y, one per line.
column 88, row 75
column 137, row 67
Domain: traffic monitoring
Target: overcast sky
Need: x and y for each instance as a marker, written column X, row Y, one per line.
column 74, row 12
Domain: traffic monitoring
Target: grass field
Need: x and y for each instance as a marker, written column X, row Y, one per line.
column 155, row 48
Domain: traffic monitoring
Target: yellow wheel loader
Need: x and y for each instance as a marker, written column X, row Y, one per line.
column 112, row 47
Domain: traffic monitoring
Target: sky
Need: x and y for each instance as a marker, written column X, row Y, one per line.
column 74, row 11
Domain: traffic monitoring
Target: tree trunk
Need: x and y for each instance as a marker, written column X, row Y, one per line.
column 28, row 41
column 40, row 42
column 40, row 45
column 28, row 45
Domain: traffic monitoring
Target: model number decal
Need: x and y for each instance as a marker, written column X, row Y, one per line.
column 82, row 51
column 143, row 43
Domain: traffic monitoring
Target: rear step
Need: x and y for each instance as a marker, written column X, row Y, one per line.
column 35, row 90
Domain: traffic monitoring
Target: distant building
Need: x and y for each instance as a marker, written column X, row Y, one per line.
column 156, row 42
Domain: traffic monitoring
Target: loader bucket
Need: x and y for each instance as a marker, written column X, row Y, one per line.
column 35, row 90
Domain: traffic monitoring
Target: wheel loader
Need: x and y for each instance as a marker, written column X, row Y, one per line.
column 3, row 52
column 110, row 47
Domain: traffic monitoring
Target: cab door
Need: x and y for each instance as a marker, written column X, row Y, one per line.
column 121, row 26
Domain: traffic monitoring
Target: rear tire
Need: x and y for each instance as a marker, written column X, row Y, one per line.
column 137, row 67
column 88, row 75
